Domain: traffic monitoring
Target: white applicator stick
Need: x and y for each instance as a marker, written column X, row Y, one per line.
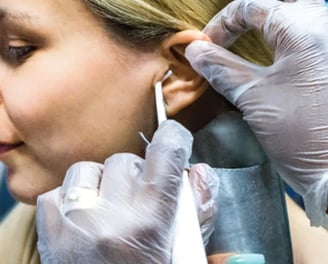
column 188, row 243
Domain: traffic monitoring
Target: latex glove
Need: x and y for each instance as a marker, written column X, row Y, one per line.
column 285, row 104
column 122, row 211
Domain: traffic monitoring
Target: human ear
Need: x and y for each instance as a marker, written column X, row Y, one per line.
column 185, row 86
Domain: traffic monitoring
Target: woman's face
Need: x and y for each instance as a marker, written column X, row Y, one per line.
column 68, row 92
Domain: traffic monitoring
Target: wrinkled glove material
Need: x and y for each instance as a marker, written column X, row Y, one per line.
column 123, row 211
column 285, row 104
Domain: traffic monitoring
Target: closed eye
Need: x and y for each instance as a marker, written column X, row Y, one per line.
column 17, row 54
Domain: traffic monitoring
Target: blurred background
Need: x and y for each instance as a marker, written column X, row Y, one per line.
column 6, row 200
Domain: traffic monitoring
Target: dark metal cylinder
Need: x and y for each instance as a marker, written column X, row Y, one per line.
column 252, row 215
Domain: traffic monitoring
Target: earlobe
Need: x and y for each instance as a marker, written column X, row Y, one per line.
column 185, row 86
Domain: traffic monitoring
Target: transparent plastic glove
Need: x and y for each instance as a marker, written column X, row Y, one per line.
column 285, row 104
column 205, row 186
column 122, row 211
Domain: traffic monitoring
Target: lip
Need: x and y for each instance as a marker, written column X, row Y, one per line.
column 5, row 147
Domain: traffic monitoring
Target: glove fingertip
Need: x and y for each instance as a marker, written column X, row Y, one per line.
column 196, row 52
column 203, row 172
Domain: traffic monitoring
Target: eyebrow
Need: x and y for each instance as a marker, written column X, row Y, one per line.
column 20, row 16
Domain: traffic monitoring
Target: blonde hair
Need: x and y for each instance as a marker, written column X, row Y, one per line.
column 145, row 23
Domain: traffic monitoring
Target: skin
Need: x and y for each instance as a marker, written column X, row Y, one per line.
column 218, row 258
column 64, row 99
column 309, row 242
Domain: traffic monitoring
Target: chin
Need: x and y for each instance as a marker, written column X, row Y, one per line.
column 29, row 198
column 28, row 185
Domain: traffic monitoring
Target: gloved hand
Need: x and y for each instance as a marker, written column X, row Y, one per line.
column 285, row 104
column 123, row 211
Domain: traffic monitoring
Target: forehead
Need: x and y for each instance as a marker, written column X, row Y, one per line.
column 56, row 18
column 42, row 10
column 7, row 14
column 57, row 23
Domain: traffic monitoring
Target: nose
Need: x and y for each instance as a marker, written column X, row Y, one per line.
column 2, row 80
column 2, row 86
column 1, row 97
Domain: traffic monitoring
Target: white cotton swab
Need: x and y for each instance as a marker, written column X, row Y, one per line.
column 188, row 243
column 159, row 98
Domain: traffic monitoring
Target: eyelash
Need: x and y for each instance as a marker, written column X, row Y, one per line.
column 18, row 54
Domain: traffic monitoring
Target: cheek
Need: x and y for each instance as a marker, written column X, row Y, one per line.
column 33, row 105
column 85, row 115
column 42, row 93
